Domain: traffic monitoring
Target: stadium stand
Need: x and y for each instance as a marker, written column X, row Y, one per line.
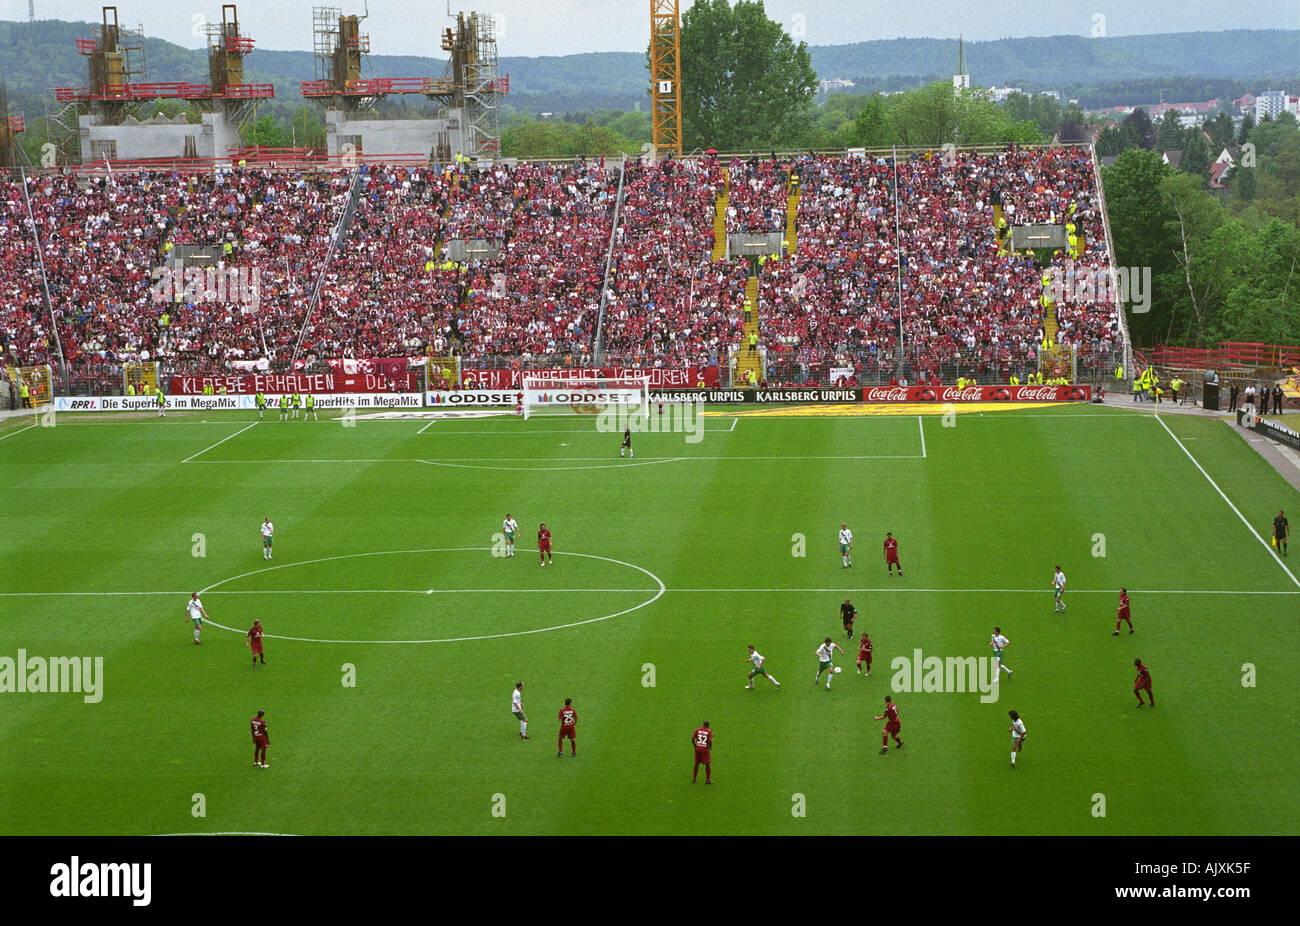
column 389, row 290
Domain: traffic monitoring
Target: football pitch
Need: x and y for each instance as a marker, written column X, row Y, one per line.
column 396, row 632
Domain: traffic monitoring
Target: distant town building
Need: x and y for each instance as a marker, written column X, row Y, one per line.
column 1000, row 94
column 1272, row 103
column 835, row 83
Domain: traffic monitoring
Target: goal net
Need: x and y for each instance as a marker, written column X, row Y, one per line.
column 628, row 396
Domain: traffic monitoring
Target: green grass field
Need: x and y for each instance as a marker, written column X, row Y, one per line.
column 666, row 567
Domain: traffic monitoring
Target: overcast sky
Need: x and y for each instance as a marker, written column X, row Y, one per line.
column 561, row 27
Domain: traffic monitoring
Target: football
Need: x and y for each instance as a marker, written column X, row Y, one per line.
column 837, row 670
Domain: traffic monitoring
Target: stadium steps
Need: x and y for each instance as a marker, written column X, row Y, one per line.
column 1050, row 326
column 791, row 216
column 720, row 221
column 749, row 361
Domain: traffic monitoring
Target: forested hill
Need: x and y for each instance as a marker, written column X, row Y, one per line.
column 37, row 56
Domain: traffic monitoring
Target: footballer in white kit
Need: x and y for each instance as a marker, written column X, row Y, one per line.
column 196, row 615
column 1017, row 735
column 510, row 527
column 825, row 654
column 999, row 643
column 1058, row 583
column 268, row 534
column 517, row 708
column 758, row 659
column 846, row 545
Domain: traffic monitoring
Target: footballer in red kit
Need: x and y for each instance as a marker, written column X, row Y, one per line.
column 892, row 726
column 702, row 740
column 543, row 544
column 864, row 654
column 568, row 728
column 261, row 739
column 891, row 554
column 254, row 640
column 1122, row 614
column 1143, row 683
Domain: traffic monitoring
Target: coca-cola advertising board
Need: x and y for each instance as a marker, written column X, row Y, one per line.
column 944, row 394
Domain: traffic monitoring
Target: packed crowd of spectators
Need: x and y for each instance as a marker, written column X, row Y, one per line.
column 668, row 301
column 757, row 195
column 389, row 288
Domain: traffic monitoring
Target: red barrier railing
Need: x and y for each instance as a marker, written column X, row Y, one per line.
column 380, row 85
column 1229, row 353
column 279, row 158
column 164, row 91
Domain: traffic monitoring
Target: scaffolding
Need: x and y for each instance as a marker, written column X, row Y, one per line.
column 468, row 93
column 474, row 71
column 227, row 47
column 9, row 127
column 117, row 71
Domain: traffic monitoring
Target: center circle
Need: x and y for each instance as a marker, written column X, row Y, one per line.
column 658, row 593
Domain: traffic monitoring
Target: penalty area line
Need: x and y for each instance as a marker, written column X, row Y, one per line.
column 220, row 442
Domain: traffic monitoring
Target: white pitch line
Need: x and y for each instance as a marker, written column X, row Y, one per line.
column 431, row 421
column 734, row 422
column 920, row 422
column 764, row 591
column 220, row 442
column 613, row 463
column 543, row 433
column 1249, row 526
column 169, row 835
column 19, row 431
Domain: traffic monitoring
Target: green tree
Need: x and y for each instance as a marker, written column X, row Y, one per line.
column 1113, row 141
column 1247, row 123
column 1242, row 181
column 745, row 82
column 1141, row 129
column 1169, row 132
column 1220, row 130
column 267, row 132
column 871, row 127
column 307, row 128
column 1198, row 286
column 1196, row 156
column 1138, row 218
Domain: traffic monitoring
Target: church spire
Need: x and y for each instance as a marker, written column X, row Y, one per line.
column 961, row 80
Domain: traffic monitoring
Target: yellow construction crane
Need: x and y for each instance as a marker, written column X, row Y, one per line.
column 666, row 77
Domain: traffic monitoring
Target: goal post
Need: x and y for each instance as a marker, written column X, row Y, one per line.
column 629, row 395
